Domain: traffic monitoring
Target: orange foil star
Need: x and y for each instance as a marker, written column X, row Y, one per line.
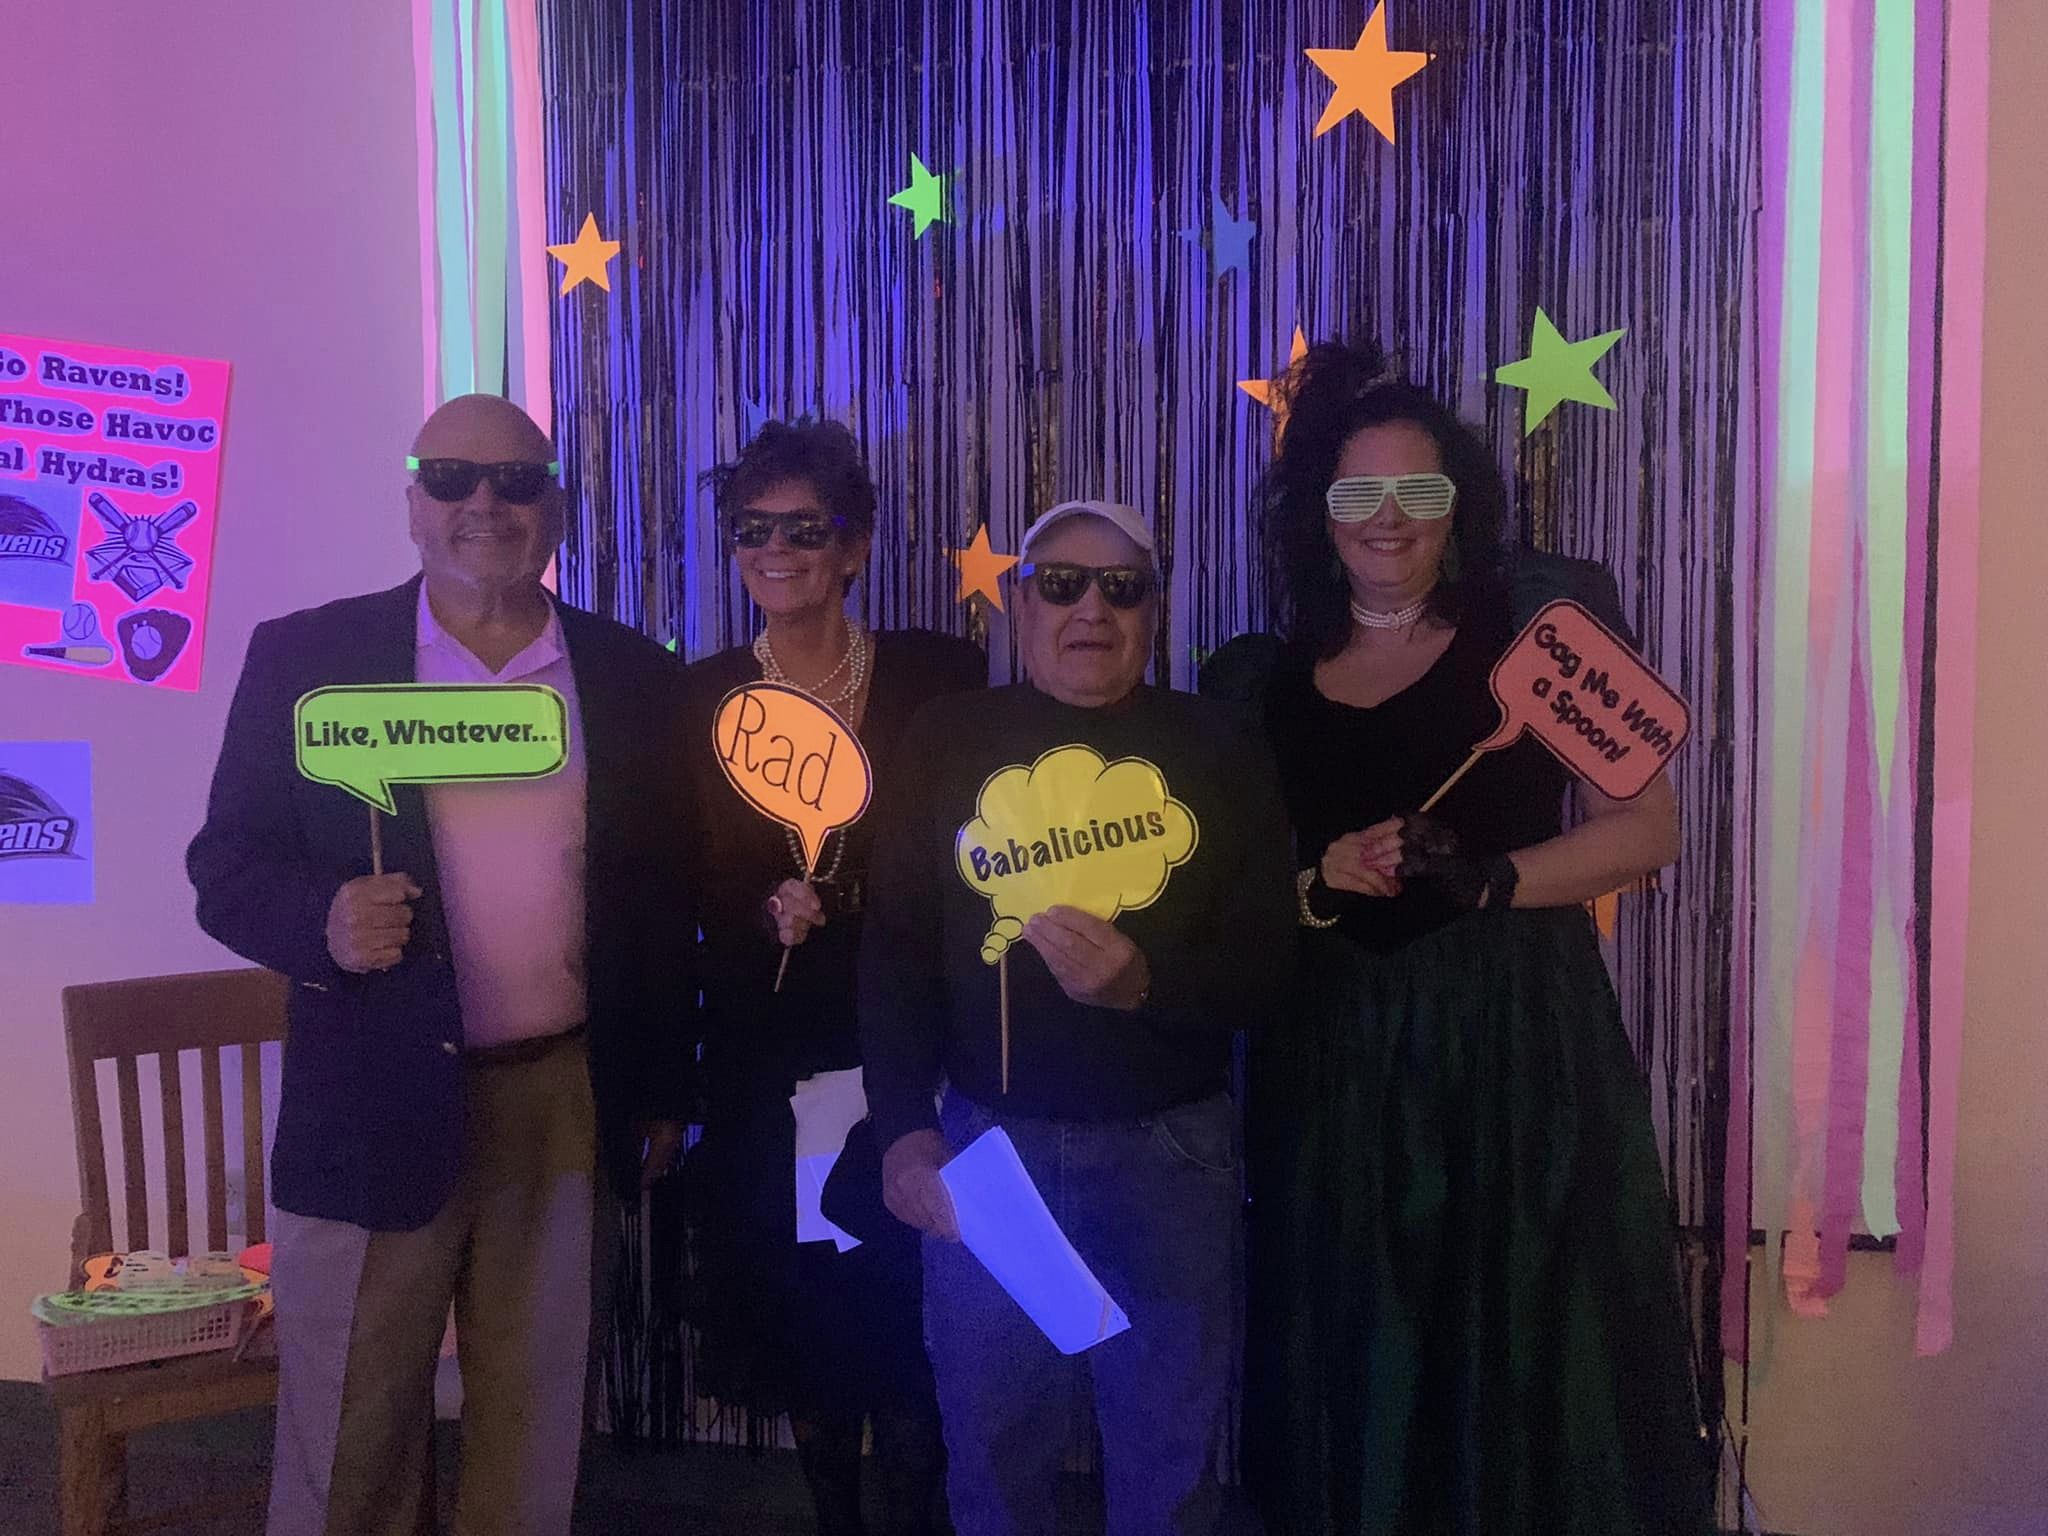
column 586, row 257
column 1365, row 77
column 981, row 568
column 1266, row 391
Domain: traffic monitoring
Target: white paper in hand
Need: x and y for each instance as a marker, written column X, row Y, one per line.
column 826, row 1108
column 1005, row 1224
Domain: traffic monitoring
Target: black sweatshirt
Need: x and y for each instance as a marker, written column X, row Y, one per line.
column 1219, row 940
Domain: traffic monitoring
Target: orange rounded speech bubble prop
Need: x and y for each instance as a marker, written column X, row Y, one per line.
column 1575, row 685
column 793, row 760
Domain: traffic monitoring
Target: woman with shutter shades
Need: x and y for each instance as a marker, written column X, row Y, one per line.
column 1464, row 1308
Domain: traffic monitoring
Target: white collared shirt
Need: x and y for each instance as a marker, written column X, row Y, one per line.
column 511, row 859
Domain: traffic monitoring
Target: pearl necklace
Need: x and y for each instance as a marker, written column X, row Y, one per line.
column 1400, row 618
column 856, row 656
column 858, row 648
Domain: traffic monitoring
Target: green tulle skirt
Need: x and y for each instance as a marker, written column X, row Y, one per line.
column 1464, row 1313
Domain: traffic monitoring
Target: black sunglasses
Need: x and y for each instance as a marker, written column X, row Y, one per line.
column 454, row 479
column 1063, row 585
column 800, row 530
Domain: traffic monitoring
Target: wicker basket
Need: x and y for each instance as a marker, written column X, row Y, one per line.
column 102, row 1344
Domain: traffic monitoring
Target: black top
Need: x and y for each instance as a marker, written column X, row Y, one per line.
column 930, row 1004
column 1346, row 768
column 759, row 1042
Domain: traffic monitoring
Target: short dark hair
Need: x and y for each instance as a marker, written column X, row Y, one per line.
column 1331, row 393
column 823, row 453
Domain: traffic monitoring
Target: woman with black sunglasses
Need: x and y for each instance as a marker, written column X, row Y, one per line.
column 831, row 1338
column 1464, row 1312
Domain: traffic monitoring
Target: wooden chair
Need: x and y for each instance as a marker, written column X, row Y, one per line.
column 211, row 1012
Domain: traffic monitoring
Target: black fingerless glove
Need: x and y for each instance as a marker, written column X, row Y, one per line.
column 1431, row 850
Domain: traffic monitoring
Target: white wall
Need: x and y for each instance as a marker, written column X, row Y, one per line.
column 221, row 179
column 1852, row 1435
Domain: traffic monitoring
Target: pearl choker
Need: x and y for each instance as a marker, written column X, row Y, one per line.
column 1400, row 618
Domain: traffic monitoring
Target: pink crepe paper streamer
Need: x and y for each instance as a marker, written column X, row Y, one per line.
column 1920, row 391
column 1827, row 851
column 1849, row 1053
column 1841, row 462
column 1963, row 223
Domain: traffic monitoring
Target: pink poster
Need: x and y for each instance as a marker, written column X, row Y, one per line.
column 109, row 480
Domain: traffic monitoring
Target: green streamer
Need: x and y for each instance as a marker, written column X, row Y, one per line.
column 1886, row 531
column 451, row 210
column 1787, row 639
column 491, row 245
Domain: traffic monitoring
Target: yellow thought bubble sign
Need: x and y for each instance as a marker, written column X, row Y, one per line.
column 366, row 738
column 1072, row 830
column 793, row 760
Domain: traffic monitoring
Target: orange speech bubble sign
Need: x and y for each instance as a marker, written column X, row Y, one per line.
column 793, row 760
column 1575, row 685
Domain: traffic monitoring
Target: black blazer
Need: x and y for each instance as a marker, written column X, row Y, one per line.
column 370, row 1122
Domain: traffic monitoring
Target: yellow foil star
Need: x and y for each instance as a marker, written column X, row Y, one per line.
column 1365, row 77
column 981, row 568
column 584, row 258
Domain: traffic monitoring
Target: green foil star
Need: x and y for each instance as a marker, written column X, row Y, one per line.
column 925, row 197
column 1557, row 370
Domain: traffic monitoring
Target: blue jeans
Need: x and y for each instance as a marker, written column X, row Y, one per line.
column 1154, row 1209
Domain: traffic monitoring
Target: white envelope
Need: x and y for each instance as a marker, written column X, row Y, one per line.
column 826, row 1107
column 1005, row 1224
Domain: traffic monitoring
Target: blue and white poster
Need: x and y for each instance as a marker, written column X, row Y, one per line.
column 46, row 822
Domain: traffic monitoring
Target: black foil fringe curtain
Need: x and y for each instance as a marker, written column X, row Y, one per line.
column 1068, row 334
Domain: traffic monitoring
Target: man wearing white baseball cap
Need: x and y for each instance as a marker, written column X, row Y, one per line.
column 1110, row 1079
column 1124, row 519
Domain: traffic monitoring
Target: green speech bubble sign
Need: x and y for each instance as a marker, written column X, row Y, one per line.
column 364, row 739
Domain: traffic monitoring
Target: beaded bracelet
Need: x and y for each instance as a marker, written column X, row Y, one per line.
column 1302, row 882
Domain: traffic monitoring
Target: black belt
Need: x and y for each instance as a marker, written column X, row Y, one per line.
column 517, row 1053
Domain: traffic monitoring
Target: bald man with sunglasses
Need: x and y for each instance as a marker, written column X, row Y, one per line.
column 1111, row 1081
column 487, row 1038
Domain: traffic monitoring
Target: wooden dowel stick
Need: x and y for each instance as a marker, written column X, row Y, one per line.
column 376, row 841
column 782, row 970
column 1445, row 788
column 1003, row 984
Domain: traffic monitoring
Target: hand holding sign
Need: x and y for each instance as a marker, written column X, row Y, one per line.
column 370, row 920
column 1574, row 684
column 795, row 762
column 1094, row 961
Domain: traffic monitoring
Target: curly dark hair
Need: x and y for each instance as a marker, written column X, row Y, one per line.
column 825, row 454
column 1333, row 392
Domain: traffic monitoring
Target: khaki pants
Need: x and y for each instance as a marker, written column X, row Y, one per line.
column 361, row 1315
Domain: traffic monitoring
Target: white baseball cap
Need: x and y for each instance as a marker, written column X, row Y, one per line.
column 1124, row 519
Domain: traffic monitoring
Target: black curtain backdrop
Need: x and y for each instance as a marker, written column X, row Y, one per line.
column 1070, row 333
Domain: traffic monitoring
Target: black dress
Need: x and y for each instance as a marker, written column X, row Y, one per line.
column 1464, row 1311
column 785, row 1327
